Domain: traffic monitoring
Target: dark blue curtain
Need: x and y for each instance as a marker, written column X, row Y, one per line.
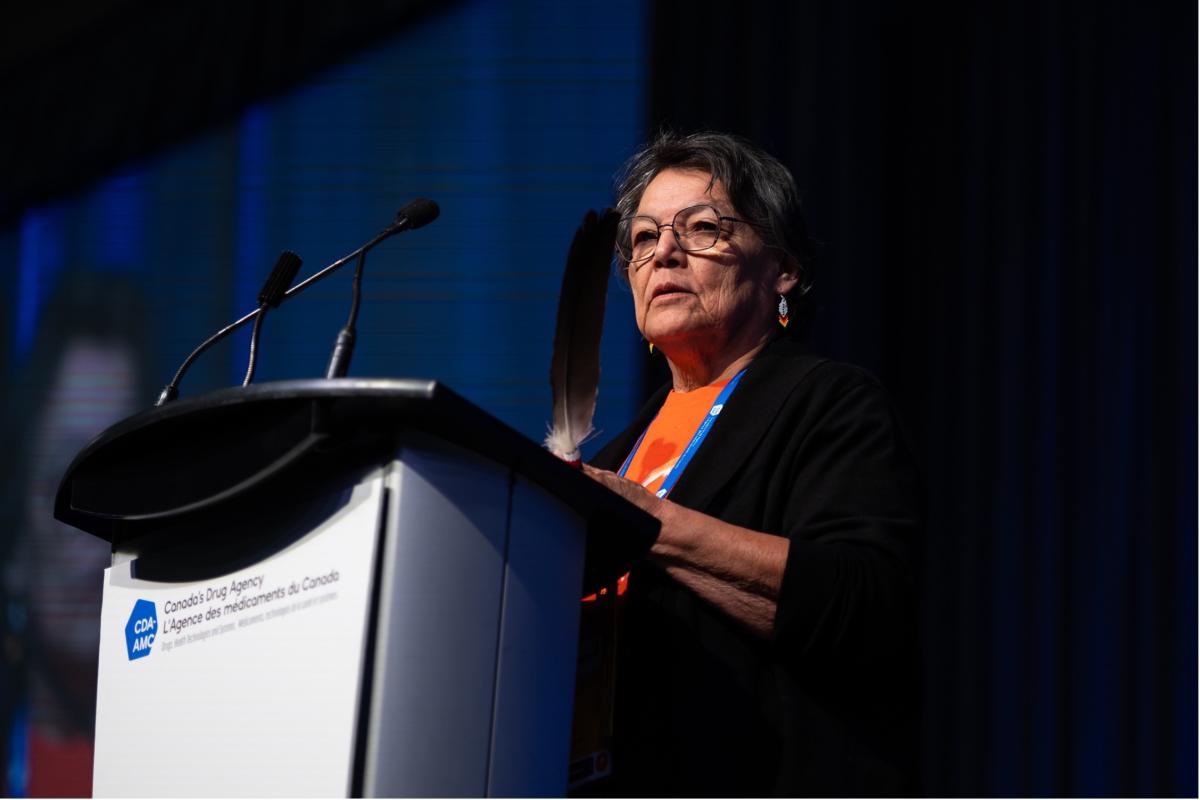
column 1005, row 196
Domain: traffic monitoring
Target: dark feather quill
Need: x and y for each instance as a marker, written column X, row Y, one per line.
column 575, row 365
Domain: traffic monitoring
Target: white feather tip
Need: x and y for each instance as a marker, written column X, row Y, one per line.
column 565, row 444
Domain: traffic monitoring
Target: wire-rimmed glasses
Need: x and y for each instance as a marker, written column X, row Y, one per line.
column 696, row 228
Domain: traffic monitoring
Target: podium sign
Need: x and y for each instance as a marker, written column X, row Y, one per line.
column 247, row 684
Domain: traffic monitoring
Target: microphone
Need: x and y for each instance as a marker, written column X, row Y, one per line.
column 416, row 214
column 270, row 296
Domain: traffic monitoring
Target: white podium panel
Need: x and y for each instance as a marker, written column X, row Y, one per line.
column 539, row 643
column 243, row 685
column 478, row 630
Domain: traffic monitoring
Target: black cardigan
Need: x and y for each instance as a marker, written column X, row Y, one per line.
column 812, row 450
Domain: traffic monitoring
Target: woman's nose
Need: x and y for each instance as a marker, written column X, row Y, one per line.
column 667, row 250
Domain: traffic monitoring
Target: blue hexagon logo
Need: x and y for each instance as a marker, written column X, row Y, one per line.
column 141, row 629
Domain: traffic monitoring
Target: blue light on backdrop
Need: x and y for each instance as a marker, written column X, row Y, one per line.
column 512, row 116
column 39, row 259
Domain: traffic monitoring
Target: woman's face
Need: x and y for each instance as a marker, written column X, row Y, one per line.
column 706, row 301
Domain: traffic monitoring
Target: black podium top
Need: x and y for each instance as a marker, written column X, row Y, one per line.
column 192, row 456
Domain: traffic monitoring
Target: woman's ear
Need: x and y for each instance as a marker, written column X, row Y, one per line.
column 789, row 276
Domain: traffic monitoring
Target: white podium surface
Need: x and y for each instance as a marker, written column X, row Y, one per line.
column 243, row 685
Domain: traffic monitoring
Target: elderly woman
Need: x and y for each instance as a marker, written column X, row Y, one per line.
column 768, row 642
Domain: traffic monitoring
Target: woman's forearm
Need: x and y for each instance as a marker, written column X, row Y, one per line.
column 736, row 569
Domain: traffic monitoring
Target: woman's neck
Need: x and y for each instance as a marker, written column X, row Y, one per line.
column 691, row 369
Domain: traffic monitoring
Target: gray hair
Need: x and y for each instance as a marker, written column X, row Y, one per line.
column 760, row 187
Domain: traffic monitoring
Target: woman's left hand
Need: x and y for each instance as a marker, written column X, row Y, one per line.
column 633, row 492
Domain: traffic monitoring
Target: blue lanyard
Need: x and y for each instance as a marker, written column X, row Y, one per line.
column 694, row 445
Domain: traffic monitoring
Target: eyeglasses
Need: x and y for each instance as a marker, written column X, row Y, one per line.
column 695, row 228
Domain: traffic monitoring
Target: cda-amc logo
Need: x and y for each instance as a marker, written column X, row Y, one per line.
column 141, row 629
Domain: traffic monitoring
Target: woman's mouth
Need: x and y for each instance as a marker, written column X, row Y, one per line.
column 667, row 291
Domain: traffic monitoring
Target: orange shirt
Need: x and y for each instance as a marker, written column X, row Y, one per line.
column 665, row 440
column 669, row 434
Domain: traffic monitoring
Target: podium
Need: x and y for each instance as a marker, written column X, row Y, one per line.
column 339, row 588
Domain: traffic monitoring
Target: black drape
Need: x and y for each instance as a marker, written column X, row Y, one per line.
column 89, row 86
column 1005, row 195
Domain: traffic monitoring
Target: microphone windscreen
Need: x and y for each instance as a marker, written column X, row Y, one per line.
column 280, row 279
column 419, row 213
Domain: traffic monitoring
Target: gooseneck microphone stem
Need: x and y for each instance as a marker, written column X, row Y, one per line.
column 343, row 348
column 356, row 290
column 254, row 336
column 171, row 390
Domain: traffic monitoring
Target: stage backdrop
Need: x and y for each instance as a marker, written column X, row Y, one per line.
column 1005, row 194
column 1005, row 197
column 513, row 116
